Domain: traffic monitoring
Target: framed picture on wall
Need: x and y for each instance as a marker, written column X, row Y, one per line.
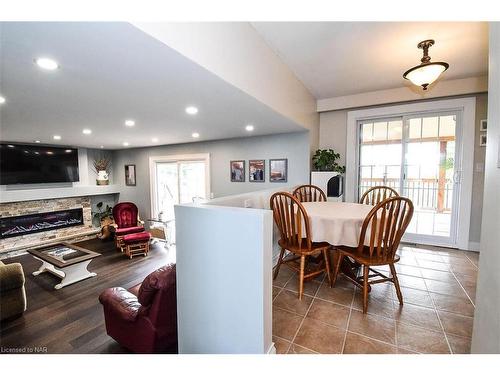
column 484, row 125
column 256, row 170
column 130, row 175
column 278, row 170
column 482, row 139
column 237, row 170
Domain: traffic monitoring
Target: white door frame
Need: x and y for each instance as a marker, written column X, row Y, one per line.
column 176, row 158
column 467, row 108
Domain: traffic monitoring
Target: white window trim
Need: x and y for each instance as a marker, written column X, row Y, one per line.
column 176, row 158
column 468, row 108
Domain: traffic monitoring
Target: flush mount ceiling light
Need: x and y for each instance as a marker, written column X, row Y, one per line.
column 2, row 100
column 87, row 131
column 191, row 110
column 37, row 141
column 427, row 72
column 129, row 123
column 154, row 140
column 249, row 128
column 195, row 135
column 57, row 137
column 125, row 144
column 46, row 63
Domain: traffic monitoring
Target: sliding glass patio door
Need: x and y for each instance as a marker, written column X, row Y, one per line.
column 417, row 156
column 177, row 181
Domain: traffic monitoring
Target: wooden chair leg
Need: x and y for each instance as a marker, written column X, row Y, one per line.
column 336, row 270
column 396, row 283
column 301, row 276
column 366, row 270
column 278, row 265
column 327, row 266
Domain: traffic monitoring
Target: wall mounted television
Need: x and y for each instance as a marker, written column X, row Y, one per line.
column 33, row 164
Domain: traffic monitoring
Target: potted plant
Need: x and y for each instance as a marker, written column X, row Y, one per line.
column 326, row 161
column 104, row 218
column 101, row 166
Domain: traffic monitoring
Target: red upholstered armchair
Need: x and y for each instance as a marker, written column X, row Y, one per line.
column 126, row 216
column 146, row 323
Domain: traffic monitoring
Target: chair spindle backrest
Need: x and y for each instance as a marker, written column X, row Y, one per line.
column 385, row 224
column 309, row 193
column 377, row 194
column 292, row 220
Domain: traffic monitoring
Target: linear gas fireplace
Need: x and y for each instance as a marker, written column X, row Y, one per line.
column 26, row 224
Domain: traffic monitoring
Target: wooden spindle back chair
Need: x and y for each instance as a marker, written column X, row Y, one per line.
column 377, row 194
column 379, row 239
column 309, row 193
column 292, row 221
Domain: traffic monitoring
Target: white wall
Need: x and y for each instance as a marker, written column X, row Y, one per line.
column 224, row 286
column 486, row 332
column 439, row 89
column 333, row 133
column 294, row 147
column 235, row 52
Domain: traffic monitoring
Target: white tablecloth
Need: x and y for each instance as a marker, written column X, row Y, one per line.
column 337, row 223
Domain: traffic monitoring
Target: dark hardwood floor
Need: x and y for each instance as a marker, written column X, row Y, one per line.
column 71, row 320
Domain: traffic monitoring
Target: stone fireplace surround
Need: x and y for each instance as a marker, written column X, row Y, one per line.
column 20, row 244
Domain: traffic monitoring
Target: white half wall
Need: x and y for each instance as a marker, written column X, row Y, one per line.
column 224, row 286
column 486, row 332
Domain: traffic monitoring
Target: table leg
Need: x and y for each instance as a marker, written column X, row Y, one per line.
column 47, row 267
column 348, row 267
column 74, row 273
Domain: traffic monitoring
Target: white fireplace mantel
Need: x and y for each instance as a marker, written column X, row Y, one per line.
column 20, row 195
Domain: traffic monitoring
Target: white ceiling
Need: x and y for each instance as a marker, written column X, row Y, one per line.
column 343, row 58
column 110, row 72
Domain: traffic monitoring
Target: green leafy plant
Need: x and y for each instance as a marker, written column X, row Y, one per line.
column 100, row 214
column 326, row 160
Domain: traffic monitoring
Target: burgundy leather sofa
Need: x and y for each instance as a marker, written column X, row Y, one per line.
column 146, row 322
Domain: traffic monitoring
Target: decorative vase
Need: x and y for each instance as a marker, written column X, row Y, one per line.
column 102, row 178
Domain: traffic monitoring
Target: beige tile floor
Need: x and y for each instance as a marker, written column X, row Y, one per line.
column 438, row 287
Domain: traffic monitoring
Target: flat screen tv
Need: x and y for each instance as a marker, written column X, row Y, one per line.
column 32, row 164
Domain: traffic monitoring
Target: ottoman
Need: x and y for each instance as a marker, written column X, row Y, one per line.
column 136, row 244
column 122, row 232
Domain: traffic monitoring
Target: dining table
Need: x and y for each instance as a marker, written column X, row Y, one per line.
column 339, row 224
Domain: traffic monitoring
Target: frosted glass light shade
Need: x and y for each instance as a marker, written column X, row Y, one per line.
column 423, row 75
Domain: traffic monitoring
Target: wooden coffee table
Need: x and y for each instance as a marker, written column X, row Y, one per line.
column 67, row 261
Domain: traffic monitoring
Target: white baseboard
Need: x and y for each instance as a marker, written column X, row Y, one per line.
column 272, row 349
column 474, row 246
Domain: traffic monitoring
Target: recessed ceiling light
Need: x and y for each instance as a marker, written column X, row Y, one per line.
column 191, row 110
column 57, row 137
column 102, row 146
column 249, row 128
column 87, row 131
column 46, row 63
column 129, row 122
column 68, row 151
column 154, row 140
column 37, row 141
column 125, row 144
column 195, row 135
column 2, row 100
